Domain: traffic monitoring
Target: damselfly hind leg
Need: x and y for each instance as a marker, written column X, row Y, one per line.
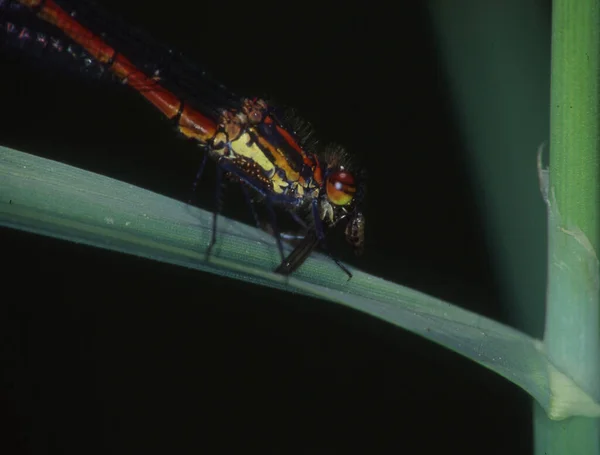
column 191, row 200
column 218, row 207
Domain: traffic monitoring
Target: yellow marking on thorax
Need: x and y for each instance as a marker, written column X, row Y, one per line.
column 253, row 152
column 240, row 147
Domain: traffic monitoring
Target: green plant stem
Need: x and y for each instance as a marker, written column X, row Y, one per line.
column 572, row 333
column 574, row 114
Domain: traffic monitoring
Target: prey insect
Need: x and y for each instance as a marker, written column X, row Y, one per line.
column 269, row 152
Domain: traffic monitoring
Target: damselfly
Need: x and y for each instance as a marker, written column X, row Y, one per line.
column 270, row 152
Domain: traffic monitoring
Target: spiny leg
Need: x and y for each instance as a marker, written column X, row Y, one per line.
column 218, row 207
column 198, row 177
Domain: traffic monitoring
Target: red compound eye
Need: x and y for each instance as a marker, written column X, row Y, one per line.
column 341, row 187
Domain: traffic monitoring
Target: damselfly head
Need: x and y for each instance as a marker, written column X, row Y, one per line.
column 343, row 203
column 344, row 192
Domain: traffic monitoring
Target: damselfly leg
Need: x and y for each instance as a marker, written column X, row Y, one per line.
column 302, row 251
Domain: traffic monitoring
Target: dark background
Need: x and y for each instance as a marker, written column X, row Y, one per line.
column 108, row 353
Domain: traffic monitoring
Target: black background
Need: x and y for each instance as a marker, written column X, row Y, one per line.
column 107, row 353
